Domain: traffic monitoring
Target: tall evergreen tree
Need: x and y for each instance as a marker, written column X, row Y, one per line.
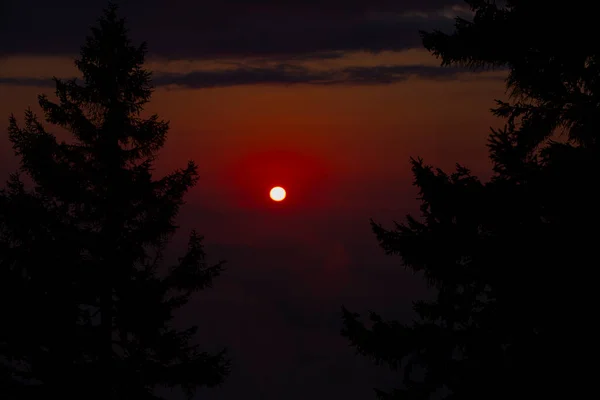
column 86, row 305
column 509, row 258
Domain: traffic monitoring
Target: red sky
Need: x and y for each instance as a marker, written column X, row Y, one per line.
column 342, row 153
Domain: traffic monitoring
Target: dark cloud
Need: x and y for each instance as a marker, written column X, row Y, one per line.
column 286, row 74
column 37, row 82
column 230, row 28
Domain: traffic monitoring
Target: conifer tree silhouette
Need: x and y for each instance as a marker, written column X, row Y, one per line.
column 509, row 258
column 86, row 306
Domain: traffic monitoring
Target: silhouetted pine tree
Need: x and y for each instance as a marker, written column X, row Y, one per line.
column 86, row 311
column 510, row 259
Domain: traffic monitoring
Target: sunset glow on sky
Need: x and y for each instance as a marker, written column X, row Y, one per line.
column 330, row 115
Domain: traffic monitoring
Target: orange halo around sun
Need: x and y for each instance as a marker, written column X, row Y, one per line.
column 277, row 193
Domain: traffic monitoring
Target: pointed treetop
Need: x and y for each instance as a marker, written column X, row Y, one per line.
column 112, row 66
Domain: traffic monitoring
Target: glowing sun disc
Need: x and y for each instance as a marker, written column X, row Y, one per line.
column 277, row 193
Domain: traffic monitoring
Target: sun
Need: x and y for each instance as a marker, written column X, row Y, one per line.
column 277, row 193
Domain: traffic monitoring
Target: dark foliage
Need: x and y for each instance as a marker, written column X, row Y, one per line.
column 86, row 305
column 510, row 259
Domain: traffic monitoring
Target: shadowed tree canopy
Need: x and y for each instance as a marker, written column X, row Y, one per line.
column 553, row 57
column 509, row 259
column 86, row 299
